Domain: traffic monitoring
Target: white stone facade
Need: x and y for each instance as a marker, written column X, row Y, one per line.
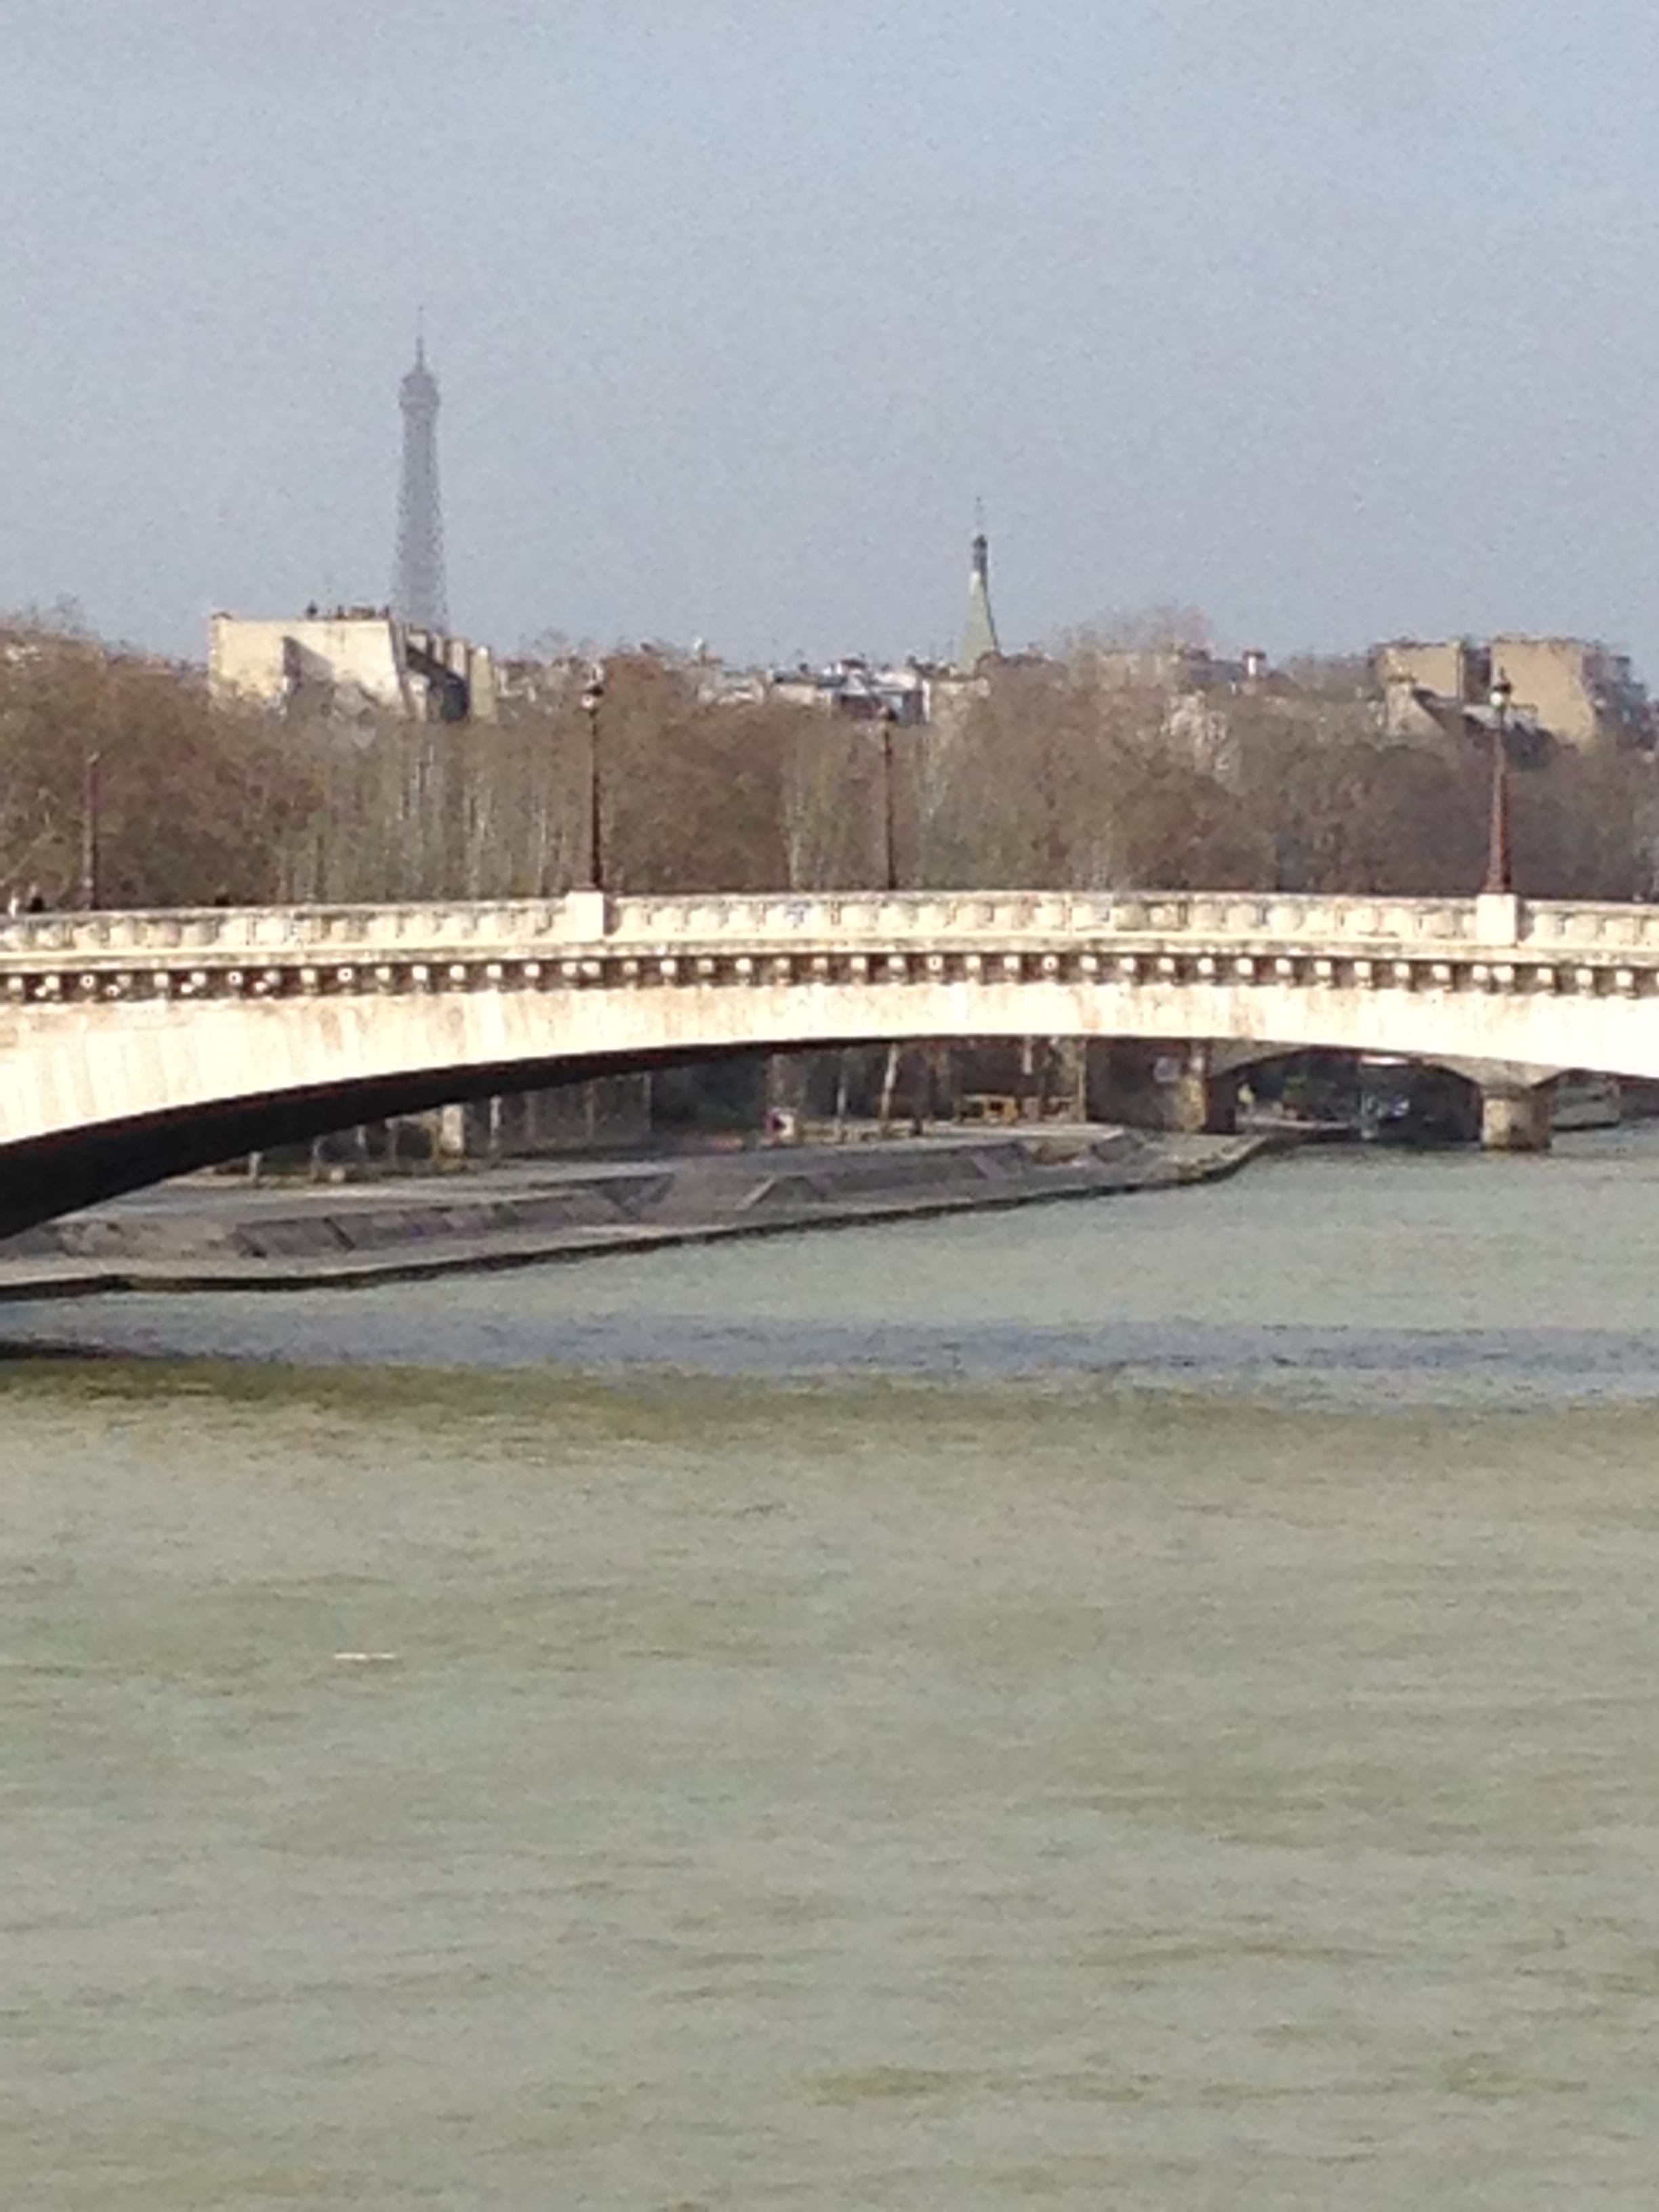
column 351, row 665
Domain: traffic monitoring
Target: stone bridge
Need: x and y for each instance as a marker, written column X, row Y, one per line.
column 136, row 1045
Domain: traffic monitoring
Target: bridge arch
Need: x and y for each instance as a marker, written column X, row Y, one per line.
column 130, row 1041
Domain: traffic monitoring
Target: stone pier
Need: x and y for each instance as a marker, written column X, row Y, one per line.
column 1202, row 1102
column 1516, row 1118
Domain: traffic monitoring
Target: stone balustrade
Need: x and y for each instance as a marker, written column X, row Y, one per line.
column 768, row 922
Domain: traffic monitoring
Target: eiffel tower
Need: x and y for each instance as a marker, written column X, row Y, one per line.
column 418, row 595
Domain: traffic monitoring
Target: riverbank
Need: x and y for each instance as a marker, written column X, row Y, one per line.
column 203, row 1235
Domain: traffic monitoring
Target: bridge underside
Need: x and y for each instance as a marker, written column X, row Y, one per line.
column 95, row 1100
column 46, row 1176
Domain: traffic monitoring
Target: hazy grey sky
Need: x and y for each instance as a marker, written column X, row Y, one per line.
column 1337, row 319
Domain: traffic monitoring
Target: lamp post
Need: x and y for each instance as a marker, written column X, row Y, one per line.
column 593, row 699
column 92, row 807
column 1500, row 871
column 889, row 834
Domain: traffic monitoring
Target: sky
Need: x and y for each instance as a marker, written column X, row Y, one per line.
column 1335, row 320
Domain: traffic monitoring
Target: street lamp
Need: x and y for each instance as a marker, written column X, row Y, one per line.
column 593, row 699
column 889, row 721
column 1500, row 873
column 92, row 810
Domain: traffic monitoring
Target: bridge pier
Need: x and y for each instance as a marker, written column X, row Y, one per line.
column 1201, row 1102
column 1148, row 1084
column 1516, row 1118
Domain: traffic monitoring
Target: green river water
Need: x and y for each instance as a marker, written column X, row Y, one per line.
column 1142, row 1704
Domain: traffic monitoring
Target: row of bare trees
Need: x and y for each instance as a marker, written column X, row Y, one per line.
column 1058, row 774
column 1065, row 777
column 194, row 802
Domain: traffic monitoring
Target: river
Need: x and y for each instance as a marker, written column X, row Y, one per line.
column 1146, row 1703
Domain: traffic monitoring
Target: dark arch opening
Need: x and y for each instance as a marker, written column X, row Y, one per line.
column 51, row 1176
column 48, row 1177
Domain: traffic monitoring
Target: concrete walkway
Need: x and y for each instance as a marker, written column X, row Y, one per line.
column 207, row 1233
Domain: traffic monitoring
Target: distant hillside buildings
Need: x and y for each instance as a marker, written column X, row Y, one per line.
column 913, row 693
column 358, row 663
column 355, row 664
column 351, row 665
column 1576, row 692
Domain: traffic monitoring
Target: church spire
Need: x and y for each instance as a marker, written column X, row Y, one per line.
column 979, row 639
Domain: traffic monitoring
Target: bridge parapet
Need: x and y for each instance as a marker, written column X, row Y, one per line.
column 168, row 933
column 1592, row 925
column 767, row 923
column 1245, row 917
column 585, row 917
column 968, row 916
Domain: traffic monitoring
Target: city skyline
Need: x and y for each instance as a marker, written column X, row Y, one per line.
column 1223, row 305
